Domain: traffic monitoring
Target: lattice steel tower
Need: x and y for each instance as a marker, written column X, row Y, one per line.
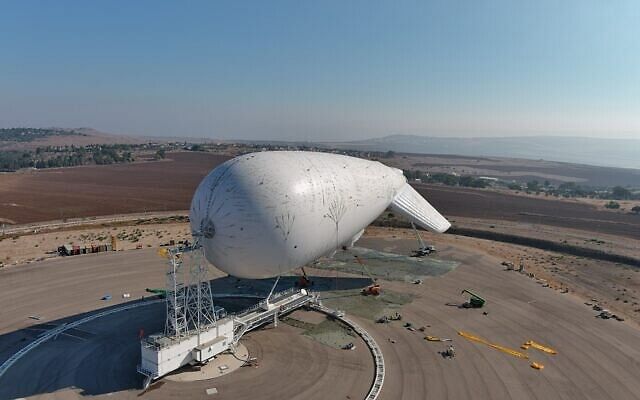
column 190, row 307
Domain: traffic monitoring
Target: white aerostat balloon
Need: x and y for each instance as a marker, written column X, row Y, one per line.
column 263, row 214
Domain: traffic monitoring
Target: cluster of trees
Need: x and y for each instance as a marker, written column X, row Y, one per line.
column 568, row 189
column 31, row 134
column 614, row 205
column 14, row 160
column 446, row 179
column 109, row 155
column 571, row 189
column 65, row 156
column 620, row 193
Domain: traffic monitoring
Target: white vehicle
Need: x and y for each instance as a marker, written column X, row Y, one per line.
column 263, row 214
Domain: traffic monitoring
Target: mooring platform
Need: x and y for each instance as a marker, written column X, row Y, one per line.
column 162, row 354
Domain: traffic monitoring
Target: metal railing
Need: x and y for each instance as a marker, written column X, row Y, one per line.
column 378, row 359
column 264, row 315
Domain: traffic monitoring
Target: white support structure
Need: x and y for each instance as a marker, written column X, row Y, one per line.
column 195, row 329
column 176, row 324
column 268, row 311
column 190, row 305
column 162, row 354
column 199, row 307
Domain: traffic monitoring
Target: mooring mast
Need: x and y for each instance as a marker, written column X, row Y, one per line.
column 196, row 330
column 190, row 307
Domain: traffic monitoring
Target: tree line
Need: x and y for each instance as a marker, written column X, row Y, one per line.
column 65, row 156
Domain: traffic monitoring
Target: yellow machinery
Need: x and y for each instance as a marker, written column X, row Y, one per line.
column 515, row 353
column 536, row 365
column 436, row 339
column 507, row 350
column 538, row 346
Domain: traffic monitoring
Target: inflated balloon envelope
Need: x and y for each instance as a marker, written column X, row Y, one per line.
column 263, row 214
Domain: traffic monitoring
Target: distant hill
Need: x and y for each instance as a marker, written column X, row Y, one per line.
column 25, row 135
column 31, row 138
column 623, row 153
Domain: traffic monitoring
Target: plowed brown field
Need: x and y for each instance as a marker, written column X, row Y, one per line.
column 168, row 185
column 103, row 189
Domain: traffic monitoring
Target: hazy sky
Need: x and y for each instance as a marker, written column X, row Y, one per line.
column 313, row 70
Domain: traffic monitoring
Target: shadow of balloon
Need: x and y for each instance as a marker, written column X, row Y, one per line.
column 260, row 288
column 101, row 356
column 97, row 357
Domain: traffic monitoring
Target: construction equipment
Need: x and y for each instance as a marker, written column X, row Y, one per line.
column 538, row 346
column 504, row 349
column 475, row 301
column 510, row 266
column 396, row 317
column 436, row 339
column 450, row 352
column 605, row 314
column 536, row 365
column 423, row 249
column 374, row 289
column 386, row 319
column 349, row 346
column 304, row 281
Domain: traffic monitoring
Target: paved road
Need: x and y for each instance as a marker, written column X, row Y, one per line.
column 8, row 230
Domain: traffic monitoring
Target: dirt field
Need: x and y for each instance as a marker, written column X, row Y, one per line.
column 486, row 204
column 613, row 244
column 168, row 185
column 519, row 169
column 615, row 286
column 597, row 359
column 56, row 194
column 30, row 248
